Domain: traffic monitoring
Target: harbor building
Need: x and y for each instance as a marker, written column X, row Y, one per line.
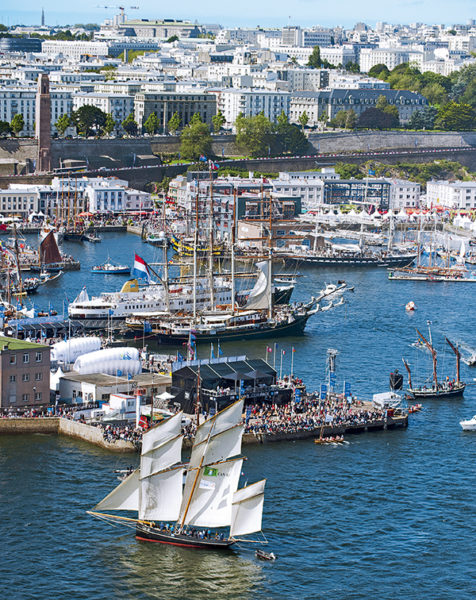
column 451, row 194
column 25, row 374
column 358, row 191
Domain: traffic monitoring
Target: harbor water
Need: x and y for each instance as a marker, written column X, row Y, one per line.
column 389, row 515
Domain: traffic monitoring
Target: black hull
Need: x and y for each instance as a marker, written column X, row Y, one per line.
column 288, row 329
column 152, row 534
column 74, row 237
column 353, row 261
column 430, row 394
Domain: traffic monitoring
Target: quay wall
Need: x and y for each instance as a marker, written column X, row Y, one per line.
column 91, row 434
column 23, row 425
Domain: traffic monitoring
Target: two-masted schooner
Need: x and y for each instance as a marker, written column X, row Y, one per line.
column 204, row 510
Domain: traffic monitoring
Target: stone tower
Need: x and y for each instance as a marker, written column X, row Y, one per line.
column 43, row 124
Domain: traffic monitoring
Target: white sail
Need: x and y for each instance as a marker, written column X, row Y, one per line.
column 124, row 497
column 211, row 503
column 260, row 294
column 220, row 447
column 247, row 509
column 161, row 495
column 82, row 296
column 229, row 417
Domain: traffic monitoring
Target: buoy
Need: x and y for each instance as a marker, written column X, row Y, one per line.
column 410, row 306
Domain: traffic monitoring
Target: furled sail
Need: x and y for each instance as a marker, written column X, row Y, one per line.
column 212, row 499
column 49, row 252
column 247, row 509
column 260, row 294
column 160, row 494
column 124, row 497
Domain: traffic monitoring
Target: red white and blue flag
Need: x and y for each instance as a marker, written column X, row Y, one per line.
column 140, row 270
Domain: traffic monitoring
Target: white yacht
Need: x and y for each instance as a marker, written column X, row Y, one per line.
column 111, row 308
column 469, row 425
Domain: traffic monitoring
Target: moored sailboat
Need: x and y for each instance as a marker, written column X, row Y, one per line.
column 208, row 511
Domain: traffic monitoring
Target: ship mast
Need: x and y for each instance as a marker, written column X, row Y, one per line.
column 233, row 233
column 407, row 367
column 433, row 356
column 458, row 359
column 195, row 234
column 210, row 243
column 270, row 270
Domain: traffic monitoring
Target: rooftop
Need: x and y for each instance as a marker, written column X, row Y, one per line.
column 7, row 343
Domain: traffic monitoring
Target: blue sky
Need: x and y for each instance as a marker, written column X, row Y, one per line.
column 249, row 13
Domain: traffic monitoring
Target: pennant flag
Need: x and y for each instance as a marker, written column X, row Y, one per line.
column 140, row 270
column 219, row 350
column 180, row 358
column 213, row 165
column 147, row 327
column 284, row 352
column 212, row 351
column 371, row 172
column 268, row 349
column 202, row 158
column 129, row 376
column 119, row 373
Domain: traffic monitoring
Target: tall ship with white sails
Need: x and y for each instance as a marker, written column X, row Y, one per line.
column 195, row 504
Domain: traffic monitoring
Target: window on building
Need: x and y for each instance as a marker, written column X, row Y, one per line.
column 37, row 396
column 26, row 358
column 38, row 376
column 25, row 377
column 39, row 357
column 13, row 378
column 13, row 360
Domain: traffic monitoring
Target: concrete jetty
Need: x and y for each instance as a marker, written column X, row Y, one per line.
column 94, row 435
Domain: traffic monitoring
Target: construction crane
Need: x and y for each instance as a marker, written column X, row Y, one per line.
column 121, row 8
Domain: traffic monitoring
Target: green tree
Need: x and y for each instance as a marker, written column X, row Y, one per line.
column 174, row 123
column 351, row 119
column 129, row 125
column 374, row 118
column 109, row 125
column 62, row 124
column 340, row 119
column 218, row 121
column 254, row 135
column 315, row 59
column 289, row 138
column 152, row 124
column 17, row 123
column 379, row 71
column 5, row 128
column 348, row 171
column 352, row 67
column 88, row 120
column 195, row 139
column 423, row 119
column 435, row 94
column 303, row 120
column 172, row 38
column 389, row 109
column 456, row 116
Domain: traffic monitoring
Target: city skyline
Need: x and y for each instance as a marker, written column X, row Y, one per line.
column 304, row 13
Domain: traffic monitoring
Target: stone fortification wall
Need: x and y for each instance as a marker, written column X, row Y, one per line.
column 22, row 425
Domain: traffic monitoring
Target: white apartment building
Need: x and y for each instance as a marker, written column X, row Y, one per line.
column 404, row 194
column 138, row 201
column 453, row 195
column 232, row 102
column 307, row 185
column 338, row 55
column 19, row 202
column 75, row 50
column 317, row 37
column 390, row 57
column 116, row 198
column 118, row 105
column 23, row 101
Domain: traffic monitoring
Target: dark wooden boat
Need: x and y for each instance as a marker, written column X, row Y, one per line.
column 149, row 533
column 446, row 389
column 262, row 555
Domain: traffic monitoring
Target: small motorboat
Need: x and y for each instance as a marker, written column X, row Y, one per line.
column 410, row 306
column 108, row 268
column 470, row 360
column 92, row 237
column 338, row 439
column 469, row 425
column 123, row 474
column 414, row 408
column 46, row 276
column 262, row 555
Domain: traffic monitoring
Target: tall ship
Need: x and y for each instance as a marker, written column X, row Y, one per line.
column 196, row 504
column 437, row 389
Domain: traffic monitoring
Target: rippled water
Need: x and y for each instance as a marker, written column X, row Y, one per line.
column 391, row 515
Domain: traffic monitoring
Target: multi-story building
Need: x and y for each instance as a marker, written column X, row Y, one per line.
column 390, row 57
column 338, row 55
column 24, row 374
column 116, row 198
column 250, row 103
column 329, row 103
column 305, row 79
column 165, row 29
column 455, row 194
column 19, row 202
column 75, row 50
column 317, row 37
column 165, row 104
column 404, row 194
column 358, row 191
column 120, row 106
column 307, row 185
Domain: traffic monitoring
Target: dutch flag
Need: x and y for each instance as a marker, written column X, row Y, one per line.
column 140, row 270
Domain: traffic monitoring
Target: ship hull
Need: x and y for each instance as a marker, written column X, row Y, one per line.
column 286, row 329
column 353, row 261
column 430, row 394
column 145, row 533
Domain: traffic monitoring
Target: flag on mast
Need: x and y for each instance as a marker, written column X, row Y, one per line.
column 140, row 270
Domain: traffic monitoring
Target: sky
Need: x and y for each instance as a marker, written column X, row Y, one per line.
column 249, row 13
